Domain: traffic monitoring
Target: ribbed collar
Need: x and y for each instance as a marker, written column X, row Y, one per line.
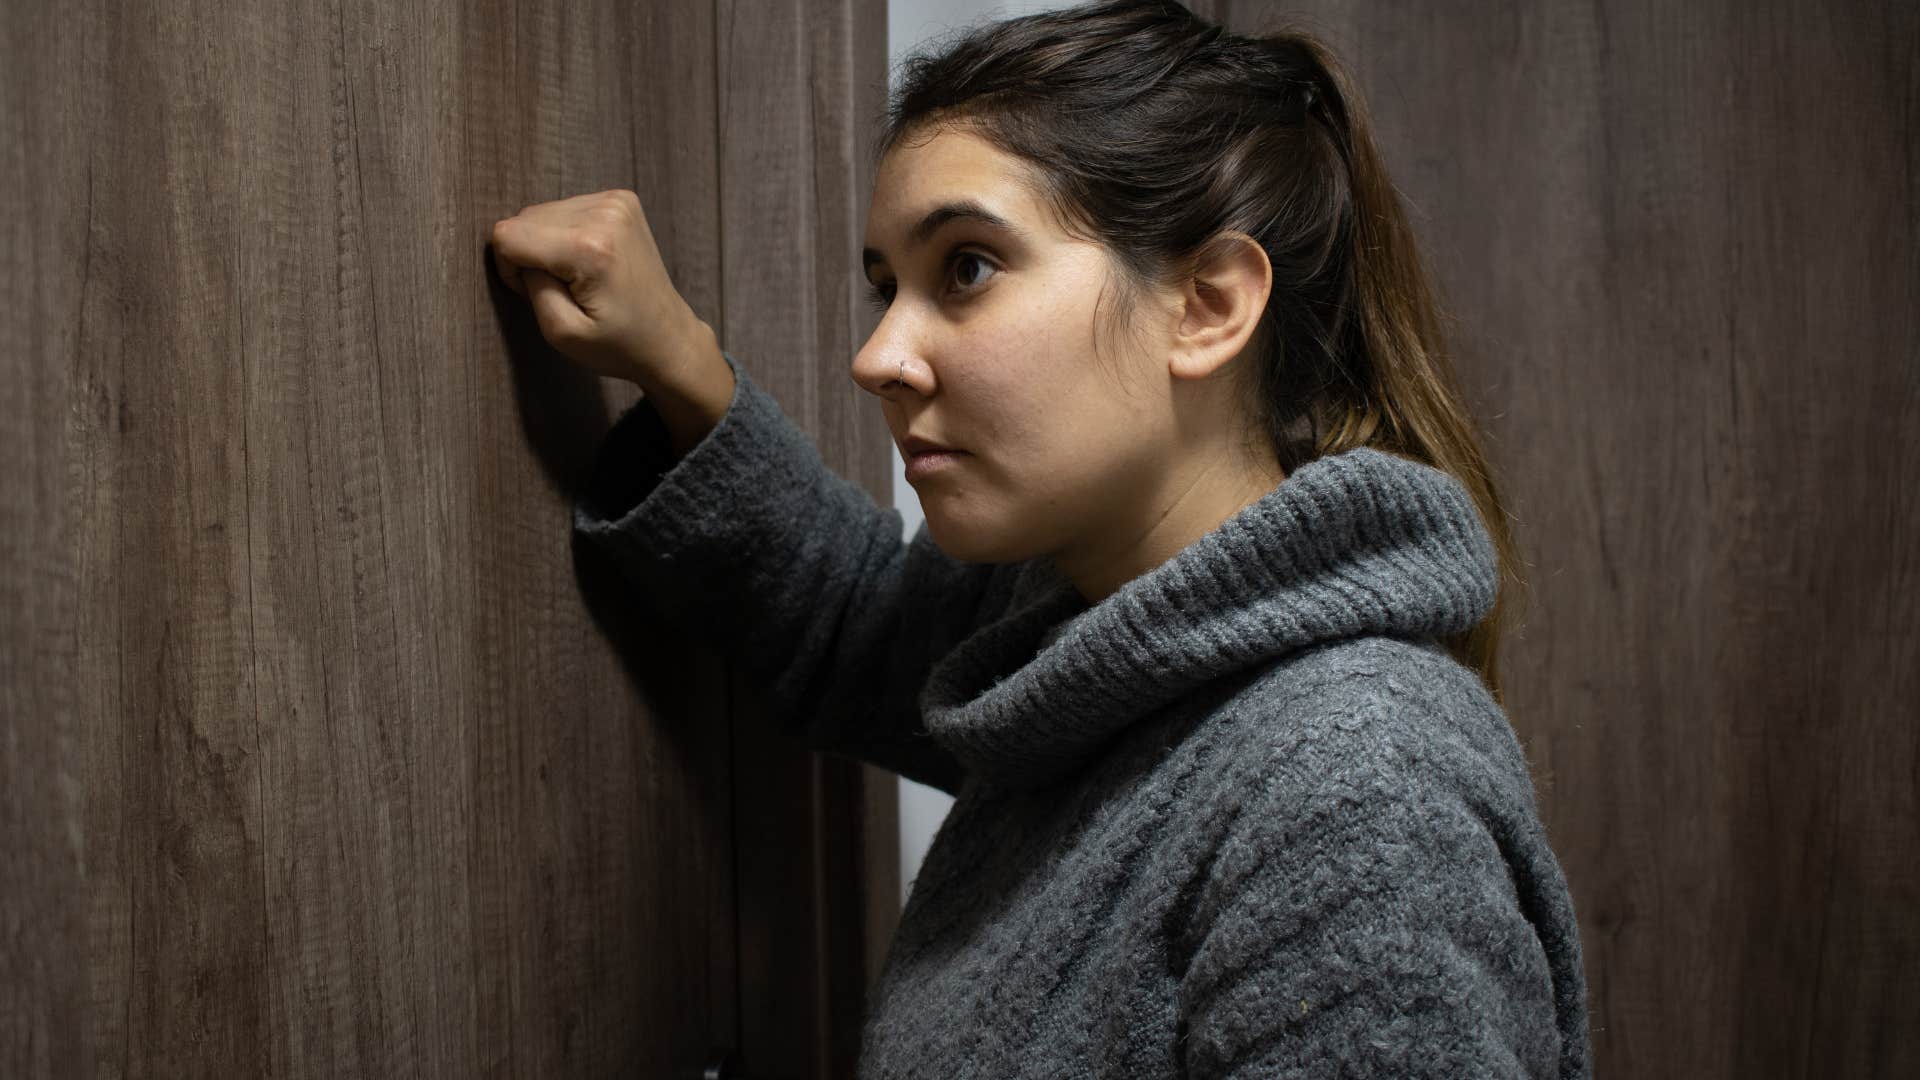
column 1357, row 543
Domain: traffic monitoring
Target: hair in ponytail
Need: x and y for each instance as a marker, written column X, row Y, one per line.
column 1155, row 132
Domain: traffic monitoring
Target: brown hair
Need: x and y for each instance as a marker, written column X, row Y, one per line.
column 1154, row 132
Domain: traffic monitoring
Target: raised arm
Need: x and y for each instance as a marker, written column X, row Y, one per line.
column 790, row 569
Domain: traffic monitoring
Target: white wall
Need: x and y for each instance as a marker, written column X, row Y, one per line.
column 909, row 23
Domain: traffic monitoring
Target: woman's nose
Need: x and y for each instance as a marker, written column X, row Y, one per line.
column 881, row 367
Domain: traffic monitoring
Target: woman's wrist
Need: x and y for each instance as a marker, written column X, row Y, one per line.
column 690, row 387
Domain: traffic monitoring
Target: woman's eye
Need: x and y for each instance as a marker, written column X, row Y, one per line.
column 879, row 296
column 961, row 257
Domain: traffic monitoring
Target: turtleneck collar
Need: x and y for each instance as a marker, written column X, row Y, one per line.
column 1353, row 544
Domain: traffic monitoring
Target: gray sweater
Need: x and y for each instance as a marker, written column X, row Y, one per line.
column 1242, row 818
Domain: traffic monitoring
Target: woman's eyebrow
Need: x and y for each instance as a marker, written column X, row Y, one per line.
column 966, row 209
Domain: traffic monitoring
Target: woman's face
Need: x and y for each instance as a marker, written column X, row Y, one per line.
column 1099, row 459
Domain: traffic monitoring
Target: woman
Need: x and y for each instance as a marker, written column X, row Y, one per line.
column 1201, row 628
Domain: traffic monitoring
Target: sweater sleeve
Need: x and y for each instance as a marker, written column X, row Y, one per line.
column 1362, row 918
column 790, row 570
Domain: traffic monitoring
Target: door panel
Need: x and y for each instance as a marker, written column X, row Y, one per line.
column 325, row 752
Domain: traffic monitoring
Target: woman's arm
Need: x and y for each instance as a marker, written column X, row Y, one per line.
column 789, row 569
column 1378, row 909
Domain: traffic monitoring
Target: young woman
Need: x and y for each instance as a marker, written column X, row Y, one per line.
column 1201, row 628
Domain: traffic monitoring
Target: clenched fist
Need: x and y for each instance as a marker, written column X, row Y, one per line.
column 599, row 290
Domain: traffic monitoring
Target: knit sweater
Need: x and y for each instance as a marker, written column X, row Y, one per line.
column 1244, row 817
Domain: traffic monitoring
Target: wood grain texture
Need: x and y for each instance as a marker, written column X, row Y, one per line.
column 325, row 752
column 43, row 191
column 1680, row 242
column 866, row 447
column 801, row 85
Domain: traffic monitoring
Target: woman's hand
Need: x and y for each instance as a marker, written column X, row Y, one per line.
column 598, row 287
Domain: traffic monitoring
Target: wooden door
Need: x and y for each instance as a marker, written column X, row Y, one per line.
column 1680, row 244
column 324, row 752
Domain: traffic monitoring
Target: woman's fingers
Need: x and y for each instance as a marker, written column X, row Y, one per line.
column 561, row 320
column 509, row 272
column 591, row 269
column 531, row 243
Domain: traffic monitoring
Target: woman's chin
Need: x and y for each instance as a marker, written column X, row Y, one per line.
column 976, row 540
column 963, row 542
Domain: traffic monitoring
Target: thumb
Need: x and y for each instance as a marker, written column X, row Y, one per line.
column 560, row 318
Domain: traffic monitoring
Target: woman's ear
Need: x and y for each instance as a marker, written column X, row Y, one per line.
column 1220, row 306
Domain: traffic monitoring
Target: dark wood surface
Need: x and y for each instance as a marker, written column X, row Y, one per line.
column 799, row 82
column 325, row 755
column 324, row 751
column 1680, row 244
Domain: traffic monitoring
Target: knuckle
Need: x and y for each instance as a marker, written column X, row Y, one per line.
column 595, row 245
column 615, row 209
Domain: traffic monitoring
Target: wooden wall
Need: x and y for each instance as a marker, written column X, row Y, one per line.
column 323, row 751
column 802, row 87
column 1680, row 241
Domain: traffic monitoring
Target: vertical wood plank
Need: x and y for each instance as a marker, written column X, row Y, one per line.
column 668, row 101
column 798, row 79
column 44, row 186
column 180, row 938
column 869, row 456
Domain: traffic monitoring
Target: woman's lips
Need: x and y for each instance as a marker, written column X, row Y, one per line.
column 928, row 462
